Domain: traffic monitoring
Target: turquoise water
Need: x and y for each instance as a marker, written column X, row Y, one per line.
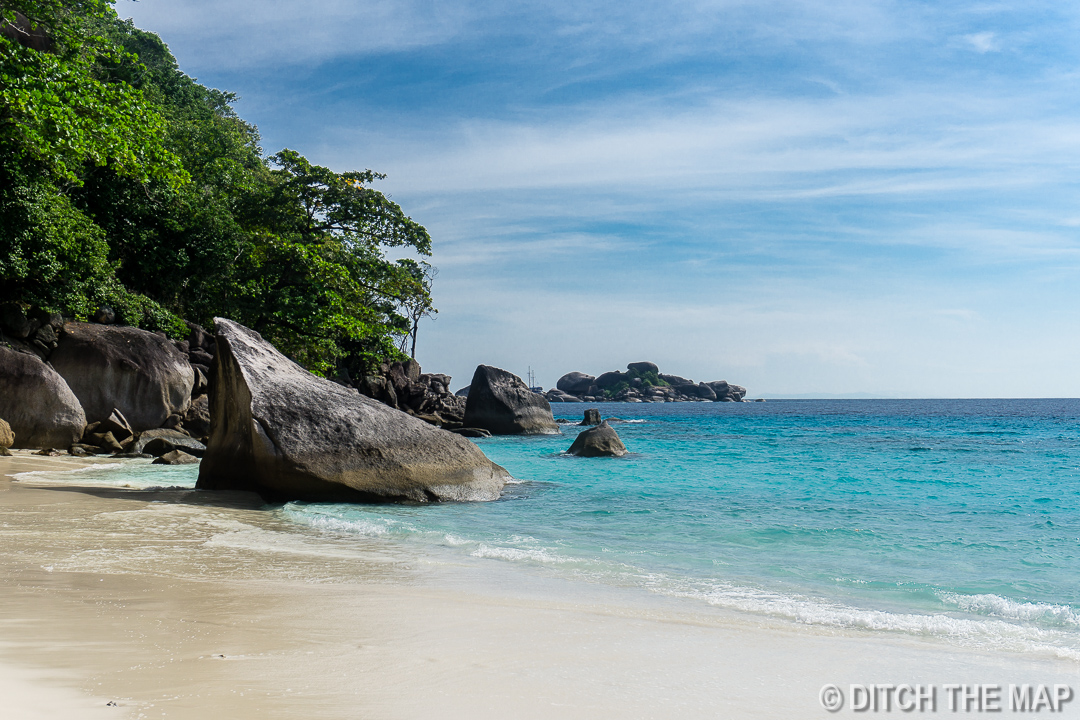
column 950, row 519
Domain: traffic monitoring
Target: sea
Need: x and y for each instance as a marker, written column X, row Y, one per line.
column 957, row 520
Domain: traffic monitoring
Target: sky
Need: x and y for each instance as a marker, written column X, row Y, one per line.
column 803, row 197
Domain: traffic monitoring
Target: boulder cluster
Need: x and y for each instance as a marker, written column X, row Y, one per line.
column 426, row 396
column 97, row 388
column 641, row 382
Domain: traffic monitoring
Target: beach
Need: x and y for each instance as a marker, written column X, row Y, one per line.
column 176, row 607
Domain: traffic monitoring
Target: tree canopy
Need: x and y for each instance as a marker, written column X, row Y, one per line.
column 124, row 182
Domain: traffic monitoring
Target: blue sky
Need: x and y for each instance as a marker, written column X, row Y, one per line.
column 799, row 197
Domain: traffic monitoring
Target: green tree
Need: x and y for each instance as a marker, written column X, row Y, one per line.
column 317, row 281
column 125, row 182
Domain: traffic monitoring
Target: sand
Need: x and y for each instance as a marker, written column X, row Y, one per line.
column 180, row 605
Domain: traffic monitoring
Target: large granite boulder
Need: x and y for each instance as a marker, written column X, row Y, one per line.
column 39, row 406
column 557, row 396
column 599, row 441
column 611, row 379
column 575, row 383
column 643, row 367
column 502, row 404
column 139, row 373
column 592, row 417
column 675, row 380
column 704, row 392
column 282, row 432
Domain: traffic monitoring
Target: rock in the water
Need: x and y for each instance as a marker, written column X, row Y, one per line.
column 139, row 373
column 502, row 404
column 36, row 402
column 592, row 417
column 7, row 437
column 175, row 437
column 643, row 367
column 176, row 457
column 471, row 432
column 556, row 395
column 600, row 441
column 575, row 383
column 163, row 446
column 286, row 434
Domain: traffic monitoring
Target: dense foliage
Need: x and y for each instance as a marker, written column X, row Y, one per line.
column 124, row 182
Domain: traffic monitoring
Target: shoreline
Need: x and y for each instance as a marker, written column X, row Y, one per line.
column 180, row 608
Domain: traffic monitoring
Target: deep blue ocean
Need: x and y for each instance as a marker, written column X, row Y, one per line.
column 956, row 519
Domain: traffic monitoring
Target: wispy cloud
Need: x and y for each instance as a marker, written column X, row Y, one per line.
column 983, row 42
column 798, row 195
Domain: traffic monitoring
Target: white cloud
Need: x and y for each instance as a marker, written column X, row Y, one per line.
column 983, row 42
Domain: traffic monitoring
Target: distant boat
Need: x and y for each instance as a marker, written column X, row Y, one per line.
column 532, row 382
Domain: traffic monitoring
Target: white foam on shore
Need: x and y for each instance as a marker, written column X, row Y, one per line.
column 982, row 633
column 997, row 606
column 538, row 555
column 45, row 474
column 135, row 474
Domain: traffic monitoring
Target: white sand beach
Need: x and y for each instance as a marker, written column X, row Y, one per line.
column 133, row 604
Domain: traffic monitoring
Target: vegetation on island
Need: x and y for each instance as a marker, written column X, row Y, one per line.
column 125, row 183
column 649, row 378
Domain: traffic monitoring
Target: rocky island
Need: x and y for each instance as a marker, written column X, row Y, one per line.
column 641, row 382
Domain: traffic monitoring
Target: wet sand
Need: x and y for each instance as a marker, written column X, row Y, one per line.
column 176, row 604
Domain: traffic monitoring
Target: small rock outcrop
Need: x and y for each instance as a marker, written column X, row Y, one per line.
column 403, row 386
column 37, row 404
column 592, row 417
column 502, row 404
column 109, row 367
column 175, row 457
column 600, row 441
column 282, row 432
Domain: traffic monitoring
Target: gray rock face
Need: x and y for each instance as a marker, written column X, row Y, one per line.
column 592, row 417
column 197, row 417
column 117, row 424
column 575, row 383
column 282, row 432
column 39, row 406
column 644, row 367
column 675, row 380
column 600, row 441
column 502, row 404
column 139, row 373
